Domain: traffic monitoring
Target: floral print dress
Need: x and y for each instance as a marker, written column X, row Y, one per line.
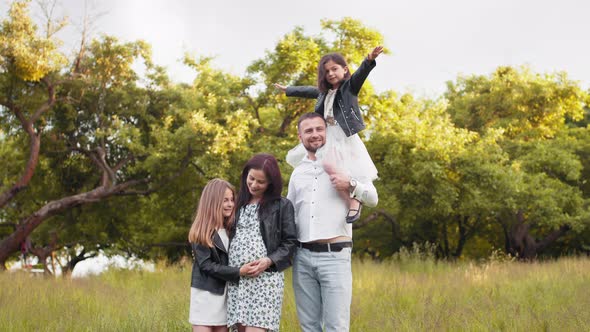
column 253, row 301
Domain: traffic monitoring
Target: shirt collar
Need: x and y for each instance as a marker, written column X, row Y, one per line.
column 307, row 160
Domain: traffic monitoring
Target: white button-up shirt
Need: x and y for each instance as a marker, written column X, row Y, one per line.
column 320, row 212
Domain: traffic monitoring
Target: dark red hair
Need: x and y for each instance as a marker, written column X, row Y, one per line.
column 268, row 164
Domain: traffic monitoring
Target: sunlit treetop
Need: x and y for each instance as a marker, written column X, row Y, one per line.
column 22, row 51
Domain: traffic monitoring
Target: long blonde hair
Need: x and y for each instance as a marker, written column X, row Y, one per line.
column 210, row 213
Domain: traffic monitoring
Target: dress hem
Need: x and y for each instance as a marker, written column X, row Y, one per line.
column 208, row 323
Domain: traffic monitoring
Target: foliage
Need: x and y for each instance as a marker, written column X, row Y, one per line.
column 497, row 160
column 22, row 51
column 525, row 104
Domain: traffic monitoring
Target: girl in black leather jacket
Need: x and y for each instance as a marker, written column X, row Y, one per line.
column 337, row 101
column 209, row 240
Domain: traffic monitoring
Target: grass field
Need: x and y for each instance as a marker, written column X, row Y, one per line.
column 399, row 295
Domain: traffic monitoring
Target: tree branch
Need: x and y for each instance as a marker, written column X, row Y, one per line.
column 123, row 162
column 541, row 245
column 183, row 166
column 375, row 215
column 255, row 108
column 35, row 141
column 48, row 104
column 34, row 148
column 198, row 168
column 98, row 157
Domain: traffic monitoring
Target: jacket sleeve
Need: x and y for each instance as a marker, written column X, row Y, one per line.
column 282, row 257
column 302, row 91
column 360, row 75
column 209, row 266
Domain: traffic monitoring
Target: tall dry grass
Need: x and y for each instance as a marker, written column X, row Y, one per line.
column 406, row 293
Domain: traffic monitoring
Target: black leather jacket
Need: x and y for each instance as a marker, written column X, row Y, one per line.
column 346, row 106
column 277, row 227
column 210, row 269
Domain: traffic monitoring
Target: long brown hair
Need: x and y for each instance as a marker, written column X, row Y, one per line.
column 338, row 58
column 210, row 213
column 268, row 164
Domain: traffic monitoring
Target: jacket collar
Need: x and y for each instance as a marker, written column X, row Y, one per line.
column 218, row 243
column 275, row 206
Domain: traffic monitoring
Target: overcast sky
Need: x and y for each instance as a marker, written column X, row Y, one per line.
column 432, row 41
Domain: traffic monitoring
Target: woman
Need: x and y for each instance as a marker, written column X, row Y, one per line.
column 264, row 235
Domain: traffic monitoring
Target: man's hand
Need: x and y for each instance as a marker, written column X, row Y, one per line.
column 340, row 181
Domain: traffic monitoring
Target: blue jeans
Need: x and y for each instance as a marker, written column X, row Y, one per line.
column 322, row 282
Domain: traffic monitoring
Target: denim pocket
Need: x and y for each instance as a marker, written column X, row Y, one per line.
column 342, row 255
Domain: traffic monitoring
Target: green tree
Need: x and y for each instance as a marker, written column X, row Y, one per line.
column 524, row 104
column 427, row 165
column 28, row 67
column 112, row 133
column 541, row 199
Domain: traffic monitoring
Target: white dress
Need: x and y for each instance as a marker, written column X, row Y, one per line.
column 206, row 308
column 348, row 152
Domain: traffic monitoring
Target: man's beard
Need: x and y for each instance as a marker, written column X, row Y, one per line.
column 310, row 148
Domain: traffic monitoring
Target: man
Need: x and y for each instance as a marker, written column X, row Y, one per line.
column 322, row 275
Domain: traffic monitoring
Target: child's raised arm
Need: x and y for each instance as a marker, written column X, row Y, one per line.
column 298, row 91
column 360, row 75
column 375, row 53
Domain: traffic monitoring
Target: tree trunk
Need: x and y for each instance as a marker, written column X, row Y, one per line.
column 42, row 254
column 523, row 245
column 463, row 235
column 445, row 240
column 74, row 260
column 45, row 252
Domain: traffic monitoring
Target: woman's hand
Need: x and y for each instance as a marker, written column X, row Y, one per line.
column 375, row 53
column 246, row 269
column 259, row 266
column 280, row 87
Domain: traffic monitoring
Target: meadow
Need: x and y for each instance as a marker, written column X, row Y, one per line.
column 402, row 294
